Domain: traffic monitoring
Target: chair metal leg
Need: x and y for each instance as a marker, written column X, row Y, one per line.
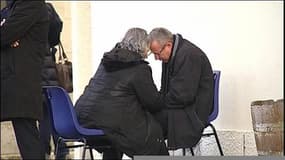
column 91, row 154
column 84, row 149
column 192, row 152
column 217, row 139
column 57, row 146
column 183, row 151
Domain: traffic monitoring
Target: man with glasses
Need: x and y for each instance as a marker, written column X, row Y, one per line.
column 186, row 85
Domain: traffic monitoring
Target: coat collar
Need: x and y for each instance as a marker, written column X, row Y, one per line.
column 176, row 43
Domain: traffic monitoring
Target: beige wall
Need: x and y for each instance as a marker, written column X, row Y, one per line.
column 63, row 8
column 243, row 39
column 3, row 4
column 76, row 39
column 81, row 45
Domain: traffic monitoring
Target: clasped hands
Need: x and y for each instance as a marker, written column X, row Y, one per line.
column 14, row 44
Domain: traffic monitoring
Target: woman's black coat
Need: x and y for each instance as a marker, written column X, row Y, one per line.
column 21, row 66
column 187, row 83
column 120, row 99
column 49, row 72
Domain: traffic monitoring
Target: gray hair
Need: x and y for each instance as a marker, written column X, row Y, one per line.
column 136, row 40
column 161, row 35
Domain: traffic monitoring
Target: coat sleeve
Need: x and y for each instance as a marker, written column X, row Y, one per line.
column 146, row 90
column 23, row 16
column 184, row 81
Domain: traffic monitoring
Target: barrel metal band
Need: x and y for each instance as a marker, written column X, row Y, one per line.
column 268, row 127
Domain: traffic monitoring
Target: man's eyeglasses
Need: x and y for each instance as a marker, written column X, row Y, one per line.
column 163, row 47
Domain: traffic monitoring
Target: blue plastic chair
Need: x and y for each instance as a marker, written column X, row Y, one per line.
column 65, row 123
column 214, row 113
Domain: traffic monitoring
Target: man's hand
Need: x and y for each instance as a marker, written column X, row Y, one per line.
column 3, row 21
column 15, row 44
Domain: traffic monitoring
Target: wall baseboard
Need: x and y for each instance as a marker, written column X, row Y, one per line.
column 234, row 143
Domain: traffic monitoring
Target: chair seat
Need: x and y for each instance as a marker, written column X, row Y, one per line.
column 65, row 123
column 214, row 114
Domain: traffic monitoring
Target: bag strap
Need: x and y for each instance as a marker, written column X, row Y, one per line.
column 62, row 56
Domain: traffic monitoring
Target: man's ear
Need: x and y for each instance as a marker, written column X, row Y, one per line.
column 169, row 43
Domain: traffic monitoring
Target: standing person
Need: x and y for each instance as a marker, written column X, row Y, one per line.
column 120, row 98
column 49, row 78
column 24, row 36
column 187, row 87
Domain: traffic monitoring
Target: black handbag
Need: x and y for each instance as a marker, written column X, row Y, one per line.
column 64, row 70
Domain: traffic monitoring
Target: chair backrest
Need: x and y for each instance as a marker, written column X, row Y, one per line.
column 215, row 109
column 63, row 116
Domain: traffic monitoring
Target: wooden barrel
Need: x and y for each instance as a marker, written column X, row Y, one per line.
column 267, row 120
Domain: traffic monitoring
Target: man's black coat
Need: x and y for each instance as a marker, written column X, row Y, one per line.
column 187, row 84
column 27, row 23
